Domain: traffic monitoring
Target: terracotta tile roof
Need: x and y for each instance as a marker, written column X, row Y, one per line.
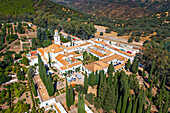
column 71, row 65
column 33, row 52
column 53, row 48
column 64, row 62
column 59, row 57
column 87, row 43
column 97, row 65
column 103, row 63
column 32, row 57
column 102, row 42
column 73, row 53
column 120, row 51
column 115, row 56
column 72, row 47
column 41, row 50
column 77, row 55
column 119, row 66
column 41, row 88
column 108, row 52
column 45, row 59
column 97, row 53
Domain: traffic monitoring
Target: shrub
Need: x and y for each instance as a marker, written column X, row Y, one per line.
column 97, row 105
column 89, row 98
column 137, row 39
column 107, row 31
column 101, row 33
column 130, row 40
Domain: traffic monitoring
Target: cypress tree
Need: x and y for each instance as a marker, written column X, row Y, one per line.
column 109, row 98
column 110, row 74
column 162, row 79
column 49, row 60
column 163, row 84
column 116, row 97
column 143, row 72
column 166, row 108
column 102, row 92
column 86, row 82
column 51, row 87
column 137, row 66
column 81, row 105
column 71, row 95
column 150, row 73
column 140, row 105
column 157, row 79
column 92, row 79
column 148, row 110
column 160, row 110
column 150, row 87
column 134, row 106
column 67, row 96
column 126, row 94
column 129, row 106
column 128, row 65
column 134, row 64
column 119, row 105
column 34, row 89
column 154, row 77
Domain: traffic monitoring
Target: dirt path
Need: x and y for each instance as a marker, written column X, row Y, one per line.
column 9, row 45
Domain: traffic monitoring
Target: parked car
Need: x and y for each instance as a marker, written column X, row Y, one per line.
column 78, row 76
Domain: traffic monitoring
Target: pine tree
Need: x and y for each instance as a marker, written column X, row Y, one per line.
column 151, row 70
column 128, row 64
column 129, row 106
column 34, row 89
column 71, row 95
column 119, row 105
column 86, row 82
column 67, row 95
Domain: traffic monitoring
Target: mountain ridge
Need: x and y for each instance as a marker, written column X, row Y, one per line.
column 113, row 9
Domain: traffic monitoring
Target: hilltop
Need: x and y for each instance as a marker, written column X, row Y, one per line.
column 113, row 9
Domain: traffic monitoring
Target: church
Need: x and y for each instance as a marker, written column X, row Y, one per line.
column 61, row 58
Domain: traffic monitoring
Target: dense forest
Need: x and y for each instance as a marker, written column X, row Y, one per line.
column 117, row 9
column 125, row 93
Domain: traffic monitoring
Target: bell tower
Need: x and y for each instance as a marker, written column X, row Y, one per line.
column 56, row 38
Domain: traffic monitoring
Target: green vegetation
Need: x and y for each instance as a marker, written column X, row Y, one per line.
column 81, row 105
column 16, row 7
column 45, row 78
column 88, row 58
column 69, row 95
column 89, row 98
